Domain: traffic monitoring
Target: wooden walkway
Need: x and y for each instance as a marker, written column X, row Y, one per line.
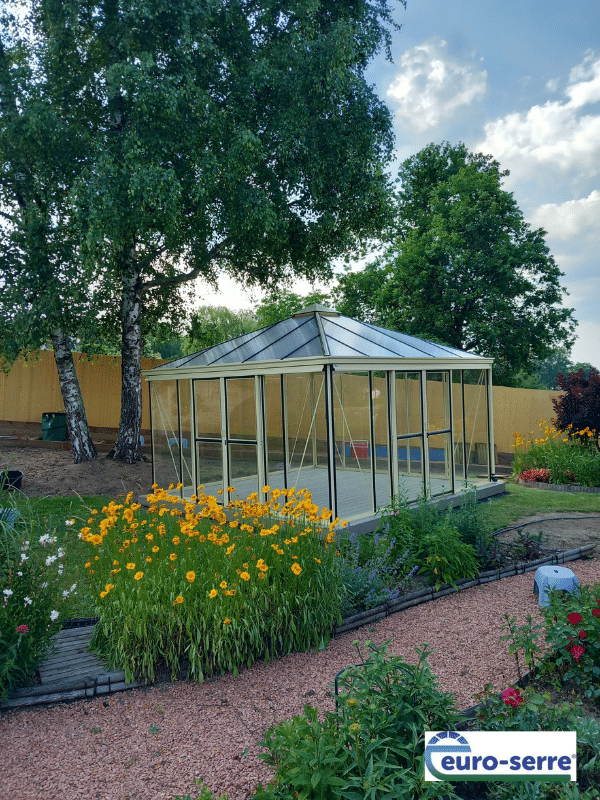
column 70, row 673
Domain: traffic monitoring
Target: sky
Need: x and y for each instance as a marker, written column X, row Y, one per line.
column 519, row 80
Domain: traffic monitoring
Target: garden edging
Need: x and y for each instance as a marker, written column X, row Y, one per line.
column 425, row 595
column 559, row 487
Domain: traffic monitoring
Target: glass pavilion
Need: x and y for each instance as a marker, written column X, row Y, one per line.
column 353, row 412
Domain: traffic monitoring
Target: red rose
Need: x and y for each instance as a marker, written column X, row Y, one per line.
column 596, row 612
column 582, row 634
column 512, row 697
column 577, row 651
column 574, row 618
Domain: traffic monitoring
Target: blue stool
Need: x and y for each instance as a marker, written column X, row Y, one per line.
column 548, row 578
column 180, row 442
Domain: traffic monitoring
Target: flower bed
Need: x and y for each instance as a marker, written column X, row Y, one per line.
column 557, row 457
column 210, row 587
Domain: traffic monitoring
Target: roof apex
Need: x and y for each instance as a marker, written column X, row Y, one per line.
column 316, row 308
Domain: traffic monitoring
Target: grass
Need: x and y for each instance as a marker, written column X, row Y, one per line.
column 522, row 502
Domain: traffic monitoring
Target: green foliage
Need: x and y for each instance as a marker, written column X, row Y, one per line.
column 442, row 555
column 573, row 633
column 33, row 603
column 283, row 303
column 196, row 589
column 523, row 639
column 373, row 746
column 464, row 267
column 212, row 325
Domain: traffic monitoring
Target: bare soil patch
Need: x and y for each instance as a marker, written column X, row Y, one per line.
column 52, row 473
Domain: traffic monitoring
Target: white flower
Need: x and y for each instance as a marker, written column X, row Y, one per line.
column 28, row 601
column 25, row 547
column 53, row 615
column 44, row 539
column 50, row 560
column 44, row 584
column 60, row 552
column 69, row 522
column 60, row 569
column 7, row 592
column 65, row 593
column 72, row 589
column 20, row 574
column 24, row 558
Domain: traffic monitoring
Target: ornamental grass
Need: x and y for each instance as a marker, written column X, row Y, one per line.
column 209, row 587
column 559, row 457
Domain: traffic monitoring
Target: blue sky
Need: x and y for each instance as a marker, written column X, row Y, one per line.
column 520, row 80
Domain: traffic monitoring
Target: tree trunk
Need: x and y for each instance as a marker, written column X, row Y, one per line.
column 79, row 433
column 127, row 446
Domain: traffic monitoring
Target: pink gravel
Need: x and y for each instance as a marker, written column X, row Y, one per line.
column 104, row 749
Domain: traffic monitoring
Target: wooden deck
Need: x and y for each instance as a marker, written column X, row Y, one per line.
column 70, row 673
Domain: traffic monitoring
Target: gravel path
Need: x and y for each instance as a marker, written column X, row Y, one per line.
column 150, row 744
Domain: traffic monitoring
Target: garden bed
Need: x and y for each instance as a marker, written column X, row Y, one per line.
column 559, row 487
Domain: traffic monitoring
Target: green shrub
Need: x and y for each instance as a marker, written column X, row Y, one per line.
column 32, row 603
column 442, row 555
column 568, row 457
column 373, row 746
column 198, row 586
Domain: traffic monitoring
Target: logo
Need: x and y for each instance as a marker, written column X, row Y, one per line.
column 501, row 756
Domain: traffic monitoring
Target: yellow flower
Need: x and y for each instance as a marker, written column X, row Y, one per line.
column 173, row 556
column 148, row 560
column 115, row 563
column 213, row 593
column 96, row 539
column 223, row 584
column 352, row 701
column 178, row 600
column 175, row 540
column 266, row 488
column 108, row 587
column 88, row 564
column 191, row 576
column 245, row 576
column 318, row 560
column 149, row 536
column 226, row 621
column 103, row 594
column 229, row 549
column 131, row 565
column 155, row 549
column 296, row 569
column 138, row 576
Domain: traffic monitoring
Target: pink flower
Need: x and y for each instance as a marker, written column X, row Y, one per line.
column 512, row 697
column 577, row 651
column 574, row 618
column 22, row 629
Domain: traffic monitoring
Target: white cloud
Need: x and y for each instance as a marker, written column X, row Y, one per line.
column 564, row 221
column 556, row 133
column 431, row 85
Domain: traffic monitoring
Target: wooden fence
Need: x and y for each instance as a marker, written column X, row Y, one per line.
column 31, row 389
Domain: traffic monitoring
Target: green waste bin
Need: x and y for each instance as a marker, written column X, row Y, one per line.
column 54, row 427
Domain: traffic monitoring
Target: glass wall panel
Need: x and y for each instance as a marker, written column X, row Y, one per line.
column 166, row 463
column 274, row 426
column 186, row 441
column 241, row 409
column 476, row 425
column 440, row 464
column 408, row 403
column 209, row 466
column 353, row 447
column 243, row 473
column 381, row 445
column 208, row 409
column 458, row 428
column 410, row 466
column 438, row 401
column 306, row 432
